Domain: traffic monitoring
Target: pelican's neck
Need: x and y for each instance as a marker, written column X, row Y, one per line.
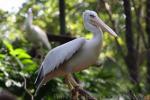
column 98, row 37
column 29, row 21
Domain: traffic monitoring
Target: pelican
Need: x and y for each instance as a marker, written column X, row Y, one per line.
column 75, row 55
column 34, row 33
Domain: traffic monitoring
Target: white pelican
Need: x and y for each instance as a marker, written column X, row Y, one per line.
column 34, row 33
column 75, row 55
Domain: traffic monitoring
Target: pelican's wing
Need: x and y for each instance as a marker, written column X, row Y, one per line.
column 57, row 56
column 42, row 36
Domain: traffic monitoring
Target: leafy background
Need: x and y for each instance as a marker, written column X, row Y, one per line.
column 110, row 80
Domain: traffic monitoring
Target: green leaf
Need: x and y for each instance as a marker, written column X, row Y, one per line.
column 27, row 61
column 23, row 55
column 19, row 51
column 8, row 45
column 29, row 68
column 2, row 56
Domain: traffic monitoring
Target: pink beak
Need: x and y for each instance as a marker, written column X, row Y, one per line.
column 100, row 24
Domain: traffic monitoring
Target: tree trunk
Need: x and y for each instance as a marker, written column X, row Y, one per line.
column 132, row 54
column 62, row 17
column 148, row 34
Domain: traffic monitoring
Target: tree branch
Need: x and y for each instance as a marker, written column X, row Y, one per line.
column 139, row 26
column 108, row 10
column 60, row 38
column 25, row 88
column 83, row 93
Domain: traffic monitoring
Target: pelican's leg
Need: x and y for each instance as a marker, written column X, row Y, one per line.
column 68, row 83
column 74, row 94
column 74, row 86
column 40, row 52
column 79, row 89
column 73, row 82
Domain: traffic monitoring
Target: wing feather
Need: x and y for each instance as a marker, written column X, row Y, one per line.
column 57, row 56
column 60, row 54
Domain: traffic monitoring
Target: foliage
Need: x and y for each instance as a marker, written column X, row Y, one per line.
column 17, row 66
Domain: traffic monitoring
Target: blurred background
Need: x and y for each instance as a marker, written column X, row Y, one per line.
column 123, row 71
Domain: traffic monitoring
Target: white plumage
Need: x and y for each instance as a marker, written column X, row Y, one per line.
column 60, row 54
column 75, row 55
column 34, row 33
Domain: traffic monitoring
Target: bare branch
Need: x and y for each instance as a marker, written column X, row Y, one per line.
column 78, row 91
column 60, row 38
column 108, row 9
column 25, row 88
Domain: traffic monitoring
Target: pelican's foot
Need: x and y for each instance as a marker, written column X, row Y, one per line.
column 75, row 94
column 79, row 91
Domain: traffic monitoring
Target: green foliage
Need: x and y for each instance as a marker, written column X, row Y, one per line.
column 16, row 64
column 21, row 56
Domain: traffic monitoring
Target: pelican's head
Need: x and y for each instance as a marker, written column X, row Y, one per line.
column 93, row 23
column 30, row 11
column 29, row 17
column 29, row 14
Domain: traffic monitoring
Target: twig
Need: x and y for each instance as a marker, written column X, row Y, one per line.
column 19, row 62
column 108, row 9
column 25, row 87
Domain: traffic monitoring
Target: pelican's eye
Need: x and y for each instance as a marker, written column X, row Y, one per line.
column 92, row 16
